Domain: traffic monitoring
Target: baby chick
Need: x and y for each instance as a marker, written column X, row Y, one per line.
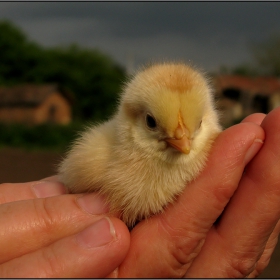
column 155, row 144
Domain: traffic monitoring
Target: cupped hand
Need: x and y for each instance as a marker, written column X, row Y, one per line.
column 225, row 224
column 47, row 234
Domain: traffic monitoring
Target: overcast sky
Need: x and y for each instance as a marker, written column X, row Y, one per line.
column 206, row 34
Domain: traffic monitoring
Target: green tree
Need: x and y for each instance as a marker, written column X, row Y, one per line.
column 265, row 59
column 245, row 69
column 267, row 55
column 93, row 77
column 17, row 54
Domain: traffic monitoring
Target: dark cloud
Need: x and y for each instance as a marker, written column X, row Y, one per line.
column 208, row 33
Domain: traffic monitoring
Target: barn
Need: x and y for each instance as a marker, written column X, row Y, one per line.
column 239, row 96
column 35, row 104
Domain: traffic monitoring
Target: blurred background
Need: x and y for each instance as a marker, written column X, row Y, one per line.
column 63, row 65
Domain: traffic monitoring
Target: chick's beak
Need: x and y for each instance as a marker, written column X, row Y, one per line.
column 181, row 140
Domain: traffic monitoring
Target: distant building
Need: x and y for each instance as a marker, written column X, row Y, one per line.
column 240, row 96
column 35, row 104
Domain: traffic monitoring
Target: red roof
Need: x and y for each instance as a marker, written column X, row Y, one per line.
column 264, row 85
column 30, row 94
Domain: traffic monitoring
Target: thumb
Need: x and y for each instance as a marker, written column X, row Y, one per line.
column 94, row 252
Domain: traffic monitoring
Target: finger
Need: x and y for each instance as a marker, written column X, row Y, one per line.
column 53, row 178
column 176, row 236
column 94, row 252
column 40, row 222
column 249, row 219
column 255, row 118
column 22, row 191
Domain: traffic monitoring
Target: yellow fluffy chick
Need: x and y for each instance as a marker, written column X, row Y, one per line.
column 155, row 144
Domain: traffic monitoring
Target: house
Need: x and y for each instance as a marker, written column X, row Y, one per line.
column 35, row 104
column 240, row 96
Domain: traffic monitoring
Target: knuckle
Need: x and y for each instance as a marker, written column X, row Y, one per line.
column 241, row 267
column 183, row 247
column 183, row 256
column 186, row 249
column 44, row 212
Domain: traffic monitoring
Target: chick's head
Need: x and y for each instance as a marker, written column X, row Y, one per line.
column 167, row 111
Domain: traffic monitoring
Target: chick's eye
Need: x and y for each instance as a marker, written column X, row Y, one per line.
column 151, row 122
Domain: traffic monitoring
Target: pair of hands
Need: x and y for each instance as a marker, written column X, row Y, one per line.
column 225, row 224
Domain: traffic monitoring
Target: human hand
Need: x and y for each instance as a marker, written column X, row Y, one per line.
column 225, row 224
column 57, row 235
column 192, row 244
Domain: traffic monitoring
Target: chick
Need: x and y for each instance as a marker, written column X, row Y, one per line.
column 157, row 142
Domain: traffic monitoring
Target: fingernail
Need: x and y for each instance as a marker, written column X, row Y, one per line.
column 99, row 234
column 93, row 203
column 48, row 189
column 257, row 144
